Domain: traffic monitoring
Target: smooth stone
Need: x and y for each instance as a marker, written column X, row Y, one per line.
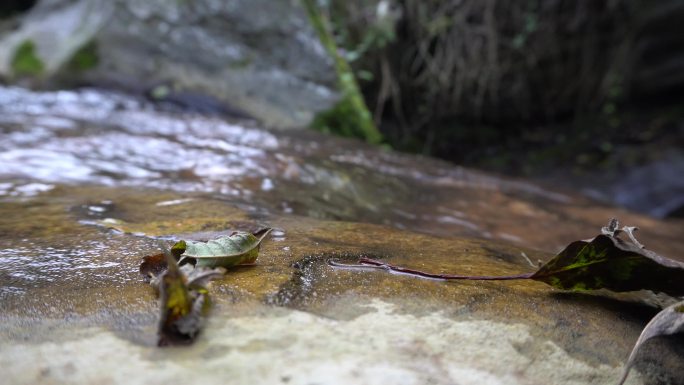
column 292, row 318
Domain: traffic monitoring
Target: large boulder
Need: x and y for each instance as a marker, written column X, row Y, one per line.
column 260, row 57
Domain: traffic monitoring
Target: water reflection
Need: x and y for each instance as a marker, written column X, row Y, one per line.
column 28, row 266
column 94, row 137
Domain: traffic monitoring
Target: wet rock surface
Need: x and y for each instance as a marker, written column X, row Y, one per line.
column 90, row 182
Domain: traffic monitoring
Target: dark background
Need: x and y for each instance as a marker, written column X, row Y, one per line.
column 521, row 86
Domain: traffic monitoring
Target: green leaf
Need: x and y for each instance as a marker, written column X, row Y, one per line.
column 235, row 249
column 608, row 262
column 669, row 321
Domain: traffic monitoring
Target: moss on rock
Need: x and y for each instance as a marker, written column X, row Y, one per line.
column 85, row 58
column 25, row 61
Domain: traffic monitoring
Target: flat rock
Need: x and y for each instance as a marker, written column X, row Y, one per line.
column 90, row 182
column 75, row 309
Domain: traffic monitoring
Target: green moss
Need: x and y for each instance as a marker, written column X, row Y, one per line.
column 579, row 286
column 350, row 116
column 25, row 61
column 161, row 92
column 85, row 58
column 343, row 119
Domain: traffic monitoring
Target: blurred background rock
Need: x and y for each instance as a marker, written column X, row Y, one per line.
column 585, row 94
column 254, row 57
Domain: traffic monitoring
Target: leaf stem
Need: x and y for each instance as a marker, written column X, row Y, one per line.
column 369, row 263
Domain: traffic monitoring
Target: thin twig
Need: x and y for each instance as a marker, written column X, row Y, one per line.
column 368, row 263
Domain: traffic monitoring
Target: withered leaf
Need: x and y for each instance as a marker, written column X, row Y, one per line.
column 199, row 277
column 605, row 262
column 182, row 285
column 152, row 265
column 176, row 304
column 184, row 301
column 608, row 262
column 669, row 321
